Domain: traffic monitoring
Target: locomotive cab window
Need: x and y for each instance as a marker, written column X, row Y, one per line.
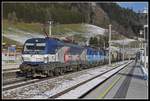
column 28, row 46
column 40, row 46
column 36, row 47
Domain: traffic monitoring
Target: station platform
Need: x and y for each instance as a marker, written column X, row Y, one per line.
column 129, row 83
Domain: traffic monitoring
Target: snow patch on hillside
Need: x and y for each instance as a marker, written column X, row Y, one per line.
column 123, row 41
column 20, row 36
column 93, row 30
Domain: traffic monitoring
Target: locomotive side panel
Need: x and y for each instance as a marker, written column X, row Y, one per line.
column 61, row 54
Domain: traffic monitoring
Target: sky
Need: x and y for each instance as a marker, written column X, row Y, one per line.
column 134, row 5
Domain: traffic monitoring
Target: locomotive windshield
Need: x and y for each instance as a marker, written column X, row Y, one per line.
column 34, row 47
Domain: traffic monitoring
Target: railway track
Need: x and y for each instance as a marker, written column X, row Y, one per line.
column 4, row 70
column 73, row 87
column 12, row 84
column 18, row 84
column 10, row 73
column 13, row 80
column 23, row 82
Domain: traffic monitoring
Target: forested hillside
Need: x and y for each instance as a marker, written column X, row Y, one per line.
column 124, row 21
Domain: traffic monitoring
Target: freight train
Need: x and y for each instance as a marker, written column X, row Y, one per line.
column 53, row 57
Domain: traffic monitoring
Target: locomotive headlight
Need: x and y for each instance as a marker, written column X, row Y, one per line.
column 25, row 58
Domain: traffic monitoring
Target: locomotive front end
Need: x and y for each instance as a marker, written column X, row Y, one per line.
column 40, row 56
column 33, row 54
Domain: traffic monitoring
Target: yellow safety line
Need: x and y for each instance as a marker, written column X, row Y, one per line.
column 102, row 95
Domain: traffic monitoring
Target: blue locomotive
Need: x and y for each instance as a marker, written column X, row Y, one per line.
column 51, row 56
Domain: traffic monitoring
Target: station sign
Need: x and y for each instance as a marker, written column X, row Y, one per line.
column 12, row 52
column 11, row 49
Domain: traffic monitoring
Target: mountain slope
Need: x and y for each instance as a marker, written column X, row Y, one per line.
column 124, row 21
column 20, row 32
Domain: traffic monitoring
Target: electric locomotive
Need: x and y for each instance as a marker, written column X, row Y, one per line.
column 51, row 56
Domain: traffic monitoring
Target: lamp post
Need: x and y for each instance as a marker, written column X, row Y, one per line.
column 110, row 44
column 50, row 31
column 145, row 26
column 123, row 50
column 141, row 47
column 129, row 50
column 141, row 32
